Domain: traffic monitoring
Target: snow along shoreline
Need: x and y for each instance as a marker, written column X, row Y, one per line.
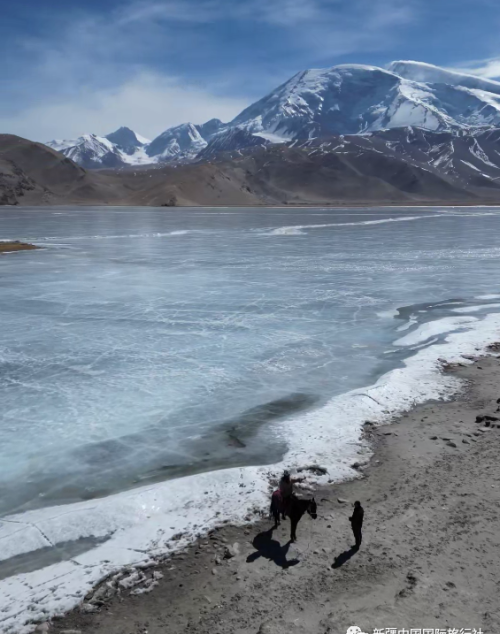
column 142, row 526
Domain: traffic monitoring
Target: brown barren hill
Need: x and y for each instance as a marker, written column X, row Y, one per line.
column 205, row 184
column 34, row 174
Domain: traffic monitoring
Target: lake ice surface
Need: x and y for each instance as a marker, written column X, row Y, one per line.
column 141, row 345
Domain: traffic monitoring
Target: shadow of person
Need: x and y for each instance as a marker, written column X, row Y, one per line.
column 345, row 556
column 269, row 548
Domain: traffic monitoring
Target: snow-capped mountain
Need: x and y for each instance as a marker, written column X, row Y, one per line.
column 125, row 147
column 127, row 140
column 89, row 151
column 231, row 139
column 210, row 128
column 117, row 149
column 353, row 99
column 345, row 99
column 181, row 143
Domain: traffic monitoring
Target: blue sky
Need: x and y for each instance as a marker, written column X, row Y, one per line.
column 75, row 66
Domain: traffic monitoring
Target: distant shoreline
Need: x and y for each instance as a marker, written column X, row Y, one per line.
column 299, row 205
column 15, row 245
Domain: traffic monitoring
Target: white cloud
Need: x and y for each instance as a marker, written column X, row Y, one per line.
column 91, row 77
column 278, row 12
column 95, row 72
column 487, row 68
column 148, row 103
column 137, row 12
column 284, row 13
column 326, row 29
column 364, row 14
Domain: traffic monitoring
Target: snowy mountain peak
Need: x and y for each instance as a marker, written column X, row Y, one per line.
column 183, row 142
column 126, row 139
column 341, row 100
column 92, row 151
column 356, row 99
column 128, row 142
column 210, row 128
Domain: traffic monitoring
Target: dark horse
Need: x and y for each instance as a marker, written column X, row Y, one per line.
column 296, row 509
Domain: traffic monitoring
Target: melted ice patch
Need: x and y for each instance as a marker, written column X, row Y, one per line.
column 474, row 309
column 406, row 326
column 433, row 328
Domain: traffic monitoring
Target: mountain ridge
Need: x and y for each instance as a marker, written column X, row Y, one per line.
column 405, row 166
column 182, row 142
column 343, row 99
column 127, row 140
column 325, row 136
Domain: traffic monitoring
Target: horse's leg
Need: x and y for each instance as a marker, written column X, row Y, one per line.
column 293, row 528
column 285, row 507
column 275, row 514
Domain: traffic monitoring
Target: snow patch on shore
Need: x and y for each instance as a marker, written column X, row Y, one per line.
column 432, row 329
column 474, row 309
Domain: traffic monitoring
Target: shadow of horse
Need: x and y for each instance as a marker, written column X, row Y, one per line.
column 269, row 548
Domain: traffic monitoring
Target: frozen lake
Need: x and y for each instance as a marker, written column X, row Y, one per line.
column 158, row 364
column 143, row 344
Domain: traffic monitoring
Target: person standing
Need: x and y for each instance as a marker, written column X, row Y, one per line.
column 356, row 520
column 286, row 490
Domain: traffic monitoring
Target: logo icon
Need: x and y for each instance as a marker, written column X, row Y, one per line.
column 355, row 630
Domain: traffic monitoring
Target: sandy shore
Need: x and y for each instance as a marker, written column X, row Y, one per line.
column 15, row 245
column 430, row 556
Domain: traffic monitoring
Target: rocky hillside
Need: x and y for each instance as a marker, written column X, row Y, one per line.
column 33, row 174
column 406, row 166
